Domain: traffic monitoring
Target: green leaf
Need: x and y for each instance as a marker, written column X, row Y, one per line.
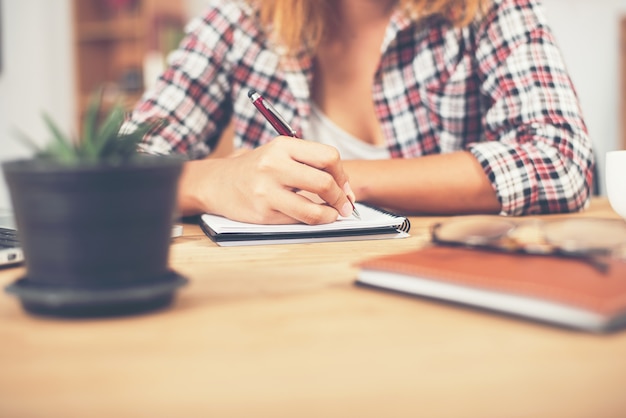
column 105, row 142
column 62, row 153
column 87, row 149
column 126, row 144
column 109, row 129
column 63, row 146
column 91, row 117
column 28, row 141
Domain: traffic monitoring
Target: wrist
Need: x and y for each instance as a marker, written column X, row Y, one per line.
column 192, row 186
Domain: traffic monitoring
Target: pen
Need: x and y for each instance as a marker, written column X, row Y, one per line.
column 280, row 124
column 271, row 115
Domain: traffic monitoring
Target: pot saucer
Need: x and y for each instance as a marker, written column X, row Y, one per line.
column 67, row 301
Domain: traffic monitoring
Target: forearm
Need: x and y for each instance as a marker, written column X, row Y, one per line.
column 437, row 184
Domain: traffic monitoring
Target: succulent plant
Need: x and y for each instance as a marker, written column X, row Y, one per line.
column 103, row 140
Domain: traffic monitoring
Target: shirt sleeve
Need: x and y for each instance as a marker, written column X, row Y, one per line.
column 192, row 96
column 537, row 152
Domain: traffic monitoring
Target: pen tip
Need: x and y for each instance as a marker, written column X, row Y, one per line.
column 251, row 92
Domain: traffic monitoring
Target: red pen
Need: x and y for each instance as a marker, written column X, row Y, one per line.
column 280, row 124
column 271, row 114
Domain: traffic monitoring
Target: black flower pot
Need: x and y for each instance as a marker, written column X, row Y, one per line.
column 95, row 237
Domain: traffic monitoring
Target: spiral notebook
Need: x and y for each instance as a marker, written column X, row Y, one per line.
column 374, row 224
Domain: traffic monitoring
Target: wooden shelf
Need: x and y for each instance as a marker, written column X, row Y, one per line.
column 115, row 30
column 111, row 45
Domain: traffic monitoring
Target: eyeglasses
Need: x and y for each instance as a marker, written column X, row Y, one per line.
column 589, row 239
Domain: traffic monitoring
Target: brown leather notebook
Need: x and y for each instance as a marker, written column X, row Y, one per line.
column 565, row 291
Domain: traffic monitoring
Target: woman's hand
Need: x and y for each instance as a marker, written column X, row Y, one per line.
column 261, row 185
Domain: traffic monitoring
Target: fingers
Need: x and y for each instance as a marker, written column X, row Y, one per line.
column 320, row 156
column 320, row 183
column 292, row 207
column 320, row 171
column 262, row 185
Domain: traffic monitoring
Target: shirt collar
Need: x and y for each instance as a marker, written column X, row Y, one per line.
column 399, row 21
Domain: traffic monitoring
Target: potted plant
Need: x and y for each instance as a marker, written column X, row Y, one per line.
column 94, row 217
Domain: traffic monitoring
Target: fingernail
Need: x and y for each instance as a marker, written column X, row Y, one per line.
column 346, row 210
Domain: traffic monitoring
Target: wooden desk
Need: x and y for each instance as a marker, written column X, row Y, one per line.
column 281, row 331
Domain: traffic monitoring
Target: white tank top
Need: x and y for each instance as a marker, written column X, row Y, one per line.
column 325, row 131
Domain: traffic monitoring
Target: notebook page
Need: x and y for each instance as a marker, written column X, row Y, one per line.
column 370, row 218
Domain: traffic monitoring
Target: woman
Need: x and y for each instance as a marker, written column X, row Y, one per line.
column 426, row 106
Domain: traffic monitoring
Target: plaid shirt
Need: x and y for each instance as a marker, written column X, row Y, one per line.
column 497, row 88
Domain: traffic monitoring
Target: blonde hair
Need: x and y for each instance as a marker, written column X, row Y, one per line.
column 304, row 23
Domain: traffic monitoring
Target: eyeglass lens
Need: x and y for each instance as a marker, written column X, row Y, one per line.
column 569, row 235
column 585, row 234
column 473, row 230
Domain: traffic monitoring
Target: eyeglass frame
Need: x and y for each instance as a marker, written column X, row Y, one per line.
column 505, row 242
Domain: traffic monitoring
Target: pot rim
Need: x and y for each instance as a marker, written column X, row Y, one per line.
column 144, row 161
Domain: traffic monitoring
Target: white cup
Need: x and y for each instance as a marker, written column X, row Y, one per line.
column 615, row 178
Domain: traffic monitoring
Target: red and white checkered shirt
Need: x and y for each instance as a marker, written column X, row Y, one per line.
column 497, row 88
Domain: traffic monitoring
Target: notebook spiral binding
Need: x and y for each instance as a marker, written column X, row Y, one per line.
column 405, row 226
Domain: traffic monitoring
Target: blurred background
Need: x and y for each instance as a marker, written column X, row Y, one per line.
column 54, row 53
